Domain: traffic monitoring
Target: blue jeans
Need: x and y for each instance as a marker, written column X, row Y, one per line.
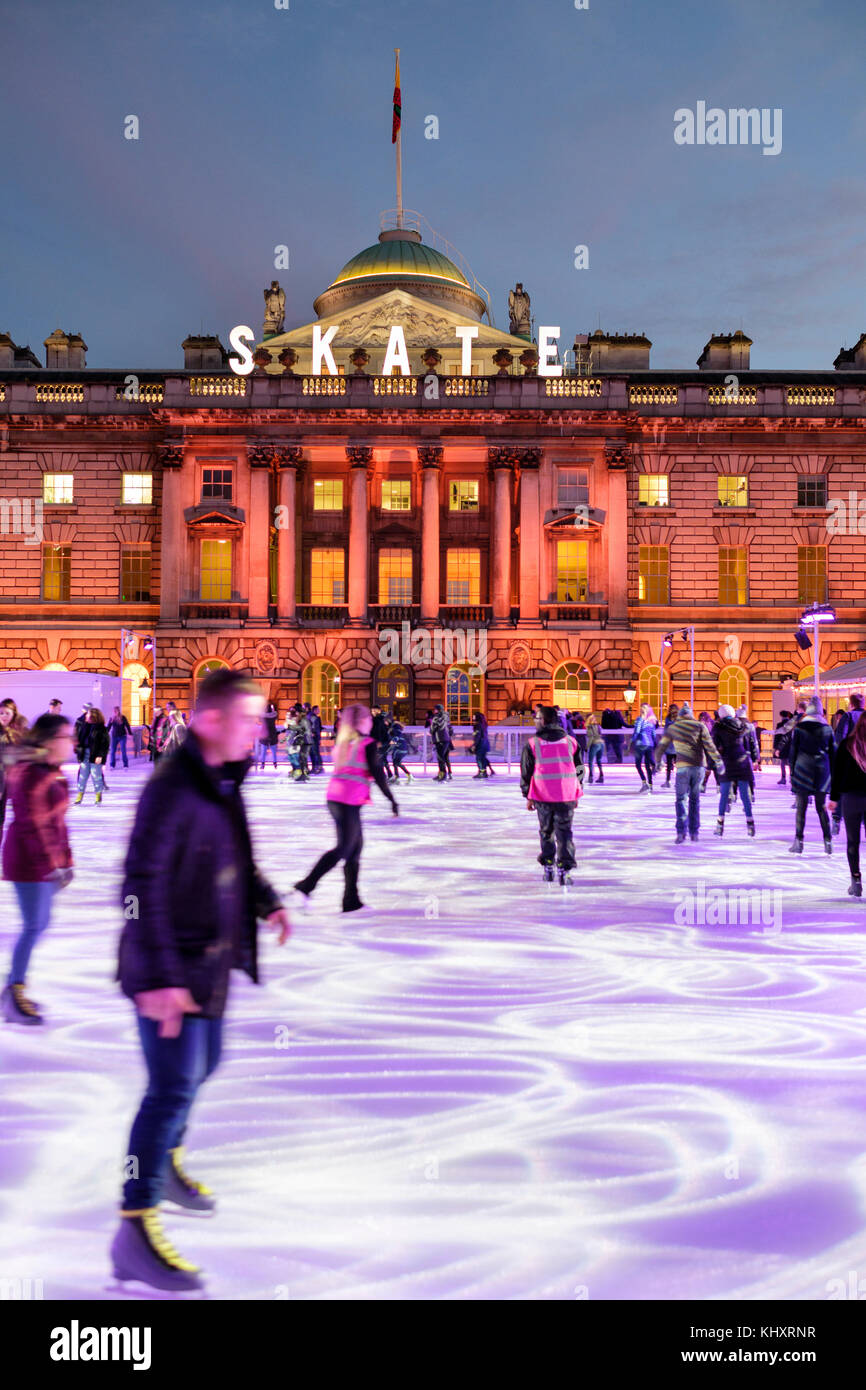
column 593, row 758
column 118, row 741
column 84, row 772
column 176, row 1067
column 34, row 900
column 743, row 788
column 687, row 789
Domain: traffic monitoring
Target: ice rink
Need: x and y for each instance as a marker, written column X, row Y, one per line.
column 482, row 1088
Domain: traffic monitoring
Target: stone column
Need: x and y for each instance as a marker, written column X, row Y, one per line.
column 530, row 535
column 289, row 461
column 430, row 459
column 616, row 456
column 172, row 557
column 261, row 461
column 500, row 533
column 359, row 456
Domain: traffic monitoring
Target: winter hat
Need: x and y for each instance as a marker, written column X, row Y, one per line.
column 815, row 710
column 726, row 711
column 685, row 708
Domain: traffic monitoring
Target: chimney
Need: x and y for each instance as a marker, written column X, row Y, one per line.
column 613, row 352
column 852, row 359
column 203, row 353
column 726, row 352
column 65, row 351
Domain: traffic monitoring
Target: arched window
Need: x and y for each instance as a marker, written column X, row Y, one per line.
column 135, row 702
column 321, row 686
column 464, row 692
column 733, row 687
column 392, row 691
column 204, row 668
column 648, row 689
column 572, row 687
column 54, row 666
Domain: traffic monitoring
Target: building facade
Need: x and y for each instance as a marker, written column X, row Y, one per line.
column 405, row 532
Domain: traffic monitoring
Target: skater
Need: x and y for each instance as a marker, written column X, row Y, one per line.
column 481, row 746
column 782, row 743
column 848, row 794
column 268, row 736
column 643, row 742
column 298, row 740
column 709, row 723
column 670, row 758
column 177, row 731
column 612, row 719
column 36, row 856
column 736, row 742
column 440, row 729
column 381, row 735
column 356, row 765
column 158, row 733
column 594, row 749
column 812, row 752
column 93, row 748
column 315, row 719
column 198, row 893
column 692, row 743
column 13, row 730
column 118, row 732
column 399, row 748
column 551, row 769
column 846, row 722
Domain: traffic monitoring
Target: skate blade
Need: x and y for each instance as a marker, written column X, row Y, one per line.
column 138, row 1289
column 178, row 1209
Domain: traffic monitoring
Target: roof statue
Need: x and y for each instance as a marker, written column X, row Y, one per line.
column 519, row 321
column 275, row 309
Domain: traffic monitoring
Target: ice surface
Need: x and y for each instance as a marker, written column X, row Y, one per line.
column 481, row 1088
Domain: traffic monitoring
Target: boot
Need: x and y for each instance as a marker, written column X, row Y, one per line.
column 351, row 899
column 141, row 1251
column 98, row 798
column 681, row 839
column 183, row 1190
column 17, row 1008
column 720, row 826
column 491, row 772
column 796, row 847
column 80, row 797
column 565, row 879
column 549, row 873
column 600, row 779
column 856, row 889
column 828, row 845
column 694, row 836
column 836, row 825
column 750, row 827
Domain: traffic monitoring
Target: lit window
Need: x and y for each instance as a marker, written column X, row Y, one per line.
column 653, row 574
column 652, row 490
column 321, row 686
column 395, row 576
column 733, row 490
column 464, row 692
column 56, row 572
column 572, row 571
column 649, row 688
column 138, row 489
column 327, row 577
column 572, row 487
column 327, row 494
column 56, row 488
column 216, row 485
column 812, row 574
column 463, row 495
column 572, row 687
column 216, row 571
column 733, row 575
column 733, row 686
column 812, row 491
column 135, row 574
column 463, row 576
column 397, row 495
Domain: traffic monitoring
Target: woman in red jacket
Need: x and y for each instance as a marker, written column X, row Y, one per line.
column 36, row 855
column 356, row 765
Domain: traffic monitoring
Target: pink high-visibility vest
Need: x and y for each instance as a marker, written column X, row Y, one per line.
column 351, row 784
column 554, row 777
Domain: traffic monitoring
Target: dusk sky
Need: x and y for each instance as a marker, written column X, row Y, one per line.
column 262, row 126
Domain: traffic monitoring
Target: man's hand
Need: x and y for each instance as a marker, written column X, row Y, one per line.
column 530, row 805
column 831, row 805
column 279, row 921
column 167, row 1007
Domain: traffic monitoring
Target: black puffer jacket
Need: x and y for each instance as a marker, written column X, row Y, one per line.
column 736, row 742
column 191, row 882
column 812, row 752
column 94, row 742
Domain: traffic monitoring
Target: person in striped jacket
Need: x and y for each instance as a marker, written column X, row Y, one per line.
column 551, row 772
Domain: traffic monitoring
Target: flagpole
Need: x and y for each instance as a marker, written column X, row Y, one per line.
column 399, row 161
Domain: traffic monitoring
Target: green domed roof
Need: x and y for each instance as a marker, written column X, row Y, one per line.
column 389, row 259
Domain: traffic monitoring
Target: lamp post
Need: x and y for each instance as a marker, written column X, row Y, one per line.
column 813, row 617
column 667, row 641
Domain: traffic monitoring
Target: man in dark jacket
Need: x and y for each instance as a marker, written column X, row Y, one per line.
column 737, row 743
column 612, row 719
column 552, row 788
column 192, row 895
column 315, row 719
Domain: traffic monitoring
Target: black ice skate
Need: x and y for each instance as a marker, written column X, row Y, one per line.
column 549, row 873
column 183, row 1190
column 856, row 888
column 141, row 1251
column 565, row 879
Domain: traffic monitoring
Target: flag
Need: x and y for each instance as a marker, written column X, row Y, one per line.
column 395, row 124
